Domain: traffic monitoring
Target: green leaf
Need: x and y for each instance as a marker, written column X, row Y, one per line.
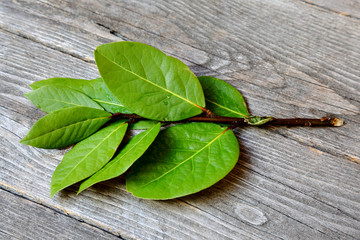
column 143, row 125
column 65, row 126
column 184, row 159
column 52, row 98
column 88, row 156
column 148, row 82
column 223, row 99
column 126, row 157
column 95, row 89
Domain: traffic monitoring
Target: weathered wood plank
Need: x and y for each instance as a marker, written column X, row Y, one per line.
column 229, row 39
column 23, row 219
column 289, row 59
column 348, row 8
column 282, row 87
column 117, row 212
column 275, row 202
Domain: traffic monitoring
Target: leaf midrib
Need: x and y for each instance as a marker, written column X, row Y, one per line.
column 71, row 103
column 146, row 80
column 118, row 159
column 110, row 103
column 189, row 158
column 92, row 150
column 92, row 119
column 228, row 109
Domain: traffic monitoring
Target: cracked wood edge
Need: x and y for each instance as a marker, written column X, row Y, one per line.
column 22, row 218
column 347, row 8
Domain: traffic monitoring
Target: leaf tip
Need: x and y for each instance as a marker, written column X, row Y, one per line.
column 33, row 86
column 54, row 188
column 27, row 95
column 24, row 141
column 52, row 193
column 81, row 188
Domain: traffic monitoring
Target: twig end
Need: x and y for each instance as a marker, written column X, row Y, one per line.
column 337, row 122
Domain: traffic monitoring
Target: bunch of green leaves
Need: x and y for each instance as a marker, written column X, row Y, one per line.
column 165, row 162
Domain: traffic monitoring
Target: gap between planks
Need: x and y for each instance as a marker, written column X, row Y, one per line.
column 21, row 194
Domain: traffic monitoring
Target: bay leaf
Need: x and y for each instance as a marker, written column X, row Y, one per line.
column 125, row 158
column 148, row 82
column 184, row 159
column 52, row 98
column 95, row 89
column 88, row 156
column 65, row 126
column 143, row 124
column 223, row 99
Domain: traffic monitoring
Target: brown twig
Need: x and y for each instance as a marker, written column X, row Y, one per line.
column 236, row 122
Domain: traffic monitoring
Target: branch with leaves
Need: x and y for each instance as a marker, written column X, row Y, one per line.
column 142, row 88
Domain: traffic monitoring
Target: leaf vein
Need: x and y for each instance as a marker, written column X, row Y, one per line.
column 228, row 109
column 68, row 126
column 117, row 160
column 92, row 150
column 110, row 103
column 156, row 85
column 70, row 103
column 189, row 158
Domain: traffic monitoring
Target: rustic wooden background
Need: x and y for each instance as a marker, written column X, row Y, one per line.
column 289, row 58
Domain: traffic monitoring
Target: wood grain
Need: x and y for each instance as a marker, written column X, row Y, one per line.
column 288, row 58
column 23, row 219
column 347, row 8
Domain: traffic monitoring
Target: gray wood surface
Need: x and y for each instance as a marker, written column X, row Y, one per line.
column 348, row 8
column 24, row 219
column 289, row 58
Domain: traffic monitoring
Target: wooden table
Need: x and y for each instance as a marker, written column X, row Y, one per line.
column 289, row 58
